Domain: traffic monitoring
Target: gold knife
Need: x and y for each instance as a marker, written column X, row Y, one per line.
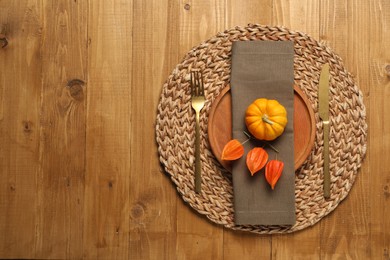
column 323, row 107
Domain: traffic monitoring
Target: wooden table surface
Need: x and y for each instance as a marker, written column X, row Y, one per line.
column 79, row 170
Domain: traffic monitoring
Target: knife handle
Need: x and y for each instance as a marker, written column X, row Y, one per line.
column 326, row 160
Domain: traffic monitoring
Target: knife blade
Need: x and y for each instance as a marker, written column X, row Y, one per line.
column 323, row 108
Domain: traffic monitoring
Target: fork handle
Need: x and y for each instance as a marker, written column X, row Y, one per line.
column 198, row 180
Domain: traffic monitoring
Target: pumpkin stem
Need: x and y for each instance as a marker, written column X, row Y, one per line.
column 267, row 120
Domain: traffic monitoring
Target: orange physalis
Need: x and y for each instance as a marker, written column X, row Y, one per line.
column 256, row 159
column 233, row 150
column 273, row 170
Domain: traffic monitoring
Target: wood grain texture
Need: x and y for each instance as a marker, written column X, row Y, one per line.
column 377, row 93
column 79, row 172
column 244, row 12
column 20, row 100
column 152, row 198
column 62, row 120
column 107, row 187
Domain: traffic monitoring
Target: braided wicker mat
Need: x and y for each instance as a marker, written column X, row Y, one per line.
column 175, row 128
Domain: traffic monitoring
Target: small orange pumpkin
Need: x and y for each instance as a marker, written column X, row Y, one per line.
column 266, row 119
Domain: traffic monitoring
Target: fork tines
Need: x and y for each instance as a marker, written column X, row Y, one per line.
column 197, row 86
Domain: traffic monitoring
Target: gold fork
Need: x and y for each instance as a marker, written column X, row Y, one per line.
column 197, row 101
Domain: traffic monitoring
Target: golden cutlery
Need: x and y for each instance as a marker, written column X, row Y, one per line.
column 323, row 96
column 197, row 102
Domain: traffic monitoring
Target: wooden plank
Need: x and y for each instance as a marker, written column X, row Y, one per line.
column 238, row 244
column 378, row 96
column 297, row 15
column 197, row 238
column 106, row 207
column 152, row 195
column 242, row 13
column 20, row 100
column 340, row 23
column 248, row 245
column 199, row 20
column 62, row 151
column 301, row 16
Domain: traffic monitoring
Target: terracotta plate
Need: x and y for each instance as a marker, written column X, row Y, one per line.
column 220, row 126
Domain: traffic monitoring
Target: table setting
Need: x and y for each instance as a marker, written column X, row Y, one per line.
column 205, row 102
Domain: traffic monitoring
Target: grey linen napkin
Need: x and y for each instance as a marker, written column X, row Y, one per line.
column 263, row 69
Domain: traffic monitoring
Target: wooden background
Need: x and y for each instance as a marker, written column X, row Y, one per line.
column 79, row 87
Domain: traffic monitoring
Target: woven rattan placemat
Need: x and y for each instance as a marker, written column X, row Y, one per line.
column 175, row 128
